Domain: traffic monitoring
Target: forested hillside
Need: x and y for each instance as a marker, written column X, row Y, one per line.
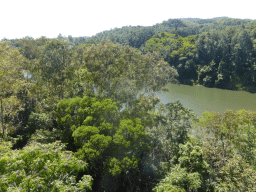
column 81, row 114
column 221, row 52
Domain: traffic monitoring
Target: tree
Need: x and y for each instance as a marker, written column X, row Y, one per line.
column 237, row 175
column 226, row 139
column 41, row 167
column 122, row 72
column 177, row 51
column 242, row 57
column 168, row 129
column 28, row 48
column 190, row 174
column 11, row 82
column 55, row 66
column 113, row 147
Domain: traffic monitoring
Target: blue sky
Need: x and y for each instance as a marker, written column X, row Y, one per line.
column 36, row 18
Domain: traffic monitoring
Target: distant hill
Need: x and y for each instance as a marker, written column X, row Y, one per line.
column 204, row 20
column 136, row 36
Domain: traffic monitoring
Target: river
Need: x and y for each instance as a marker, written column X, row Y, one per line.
column 201, row 99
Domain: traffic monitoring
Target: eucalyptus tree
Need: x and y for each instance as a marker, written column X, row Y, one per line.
column 122, row 78
column 28, row 48
column 228, row 142
column 168, row 127
column 11, row 82
column 122, row 72
column 55, row 65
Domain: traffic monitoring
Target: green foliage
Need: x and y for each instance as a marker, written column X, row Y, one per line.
column 190, row 174
column 132, row 36
column 85, row 117
column 221, row 55
column 121, row 76
column 111, row 146
column 226, row 58
column 128, row 138
column 13, row 97
column 28, row 48
column 177, row 51
column 42, row 167
column 39, row 121
column 136, row 36
column 236, row 175
column 168, row 128
column 55, row 65
column 233, row 130
column 45, row 136
column 229, row 147
column 171, row 128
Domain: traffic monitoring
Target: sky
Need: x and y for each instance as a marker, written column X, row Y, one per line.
column 36, row 18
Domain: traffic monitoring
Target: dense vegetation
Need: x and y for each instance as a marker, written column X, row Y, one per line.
column 80, row 114
column 218, row 52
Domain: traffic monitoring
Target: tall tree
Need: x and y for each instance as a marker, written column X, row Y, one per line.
column 11, row 80
column 122, row 72
column 229, row 139
column 55, row 66
column 177, row 51
column 111, row 146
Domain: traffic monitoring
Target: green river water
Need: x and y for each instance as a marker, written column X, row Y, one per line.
column 201, row 99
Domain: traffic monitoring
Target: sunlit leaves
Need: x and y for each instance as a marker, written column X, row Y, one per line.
column 177, row 51
column 237, row 175
column 85, row 117
column 42, row 167
column 229, row 147
column 190, row 174
column 112, row 146
column 233, row 130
